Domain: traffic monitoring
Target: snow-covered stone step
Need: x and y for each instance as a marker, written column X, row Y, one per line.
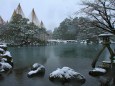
column 97, row 72
column 37, row 69
column 107, row 64
column 66, row 75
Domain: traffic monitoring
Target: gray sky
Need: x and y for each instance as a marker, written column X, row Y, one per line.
column 51, row 12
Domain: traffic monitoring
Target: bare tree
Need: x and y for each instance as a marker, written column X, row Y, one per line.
column 102, row 12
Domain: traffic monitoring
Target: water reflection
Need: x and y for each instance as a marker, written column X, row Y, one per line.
column 77, row 57
column 26, row 56
column 1, row 77
column 73, row 51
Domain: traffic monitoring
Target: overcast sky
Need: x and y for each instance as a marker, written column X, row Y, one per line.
column 51, row 12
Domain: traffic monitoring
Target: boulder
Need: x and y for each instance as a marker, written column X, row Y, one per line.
column 97, row 72
column 36, row 70
column 6, row 55
column 3, row 46
column 5, row 66
column 66, row 75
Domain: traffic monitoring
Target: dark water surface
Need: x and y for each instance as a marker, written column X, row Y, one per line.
column 76, row 56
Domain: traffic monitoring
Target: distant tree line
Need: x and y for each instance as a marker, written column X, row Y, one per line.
column 78, row 28
column 19, row 31
column 98, row 17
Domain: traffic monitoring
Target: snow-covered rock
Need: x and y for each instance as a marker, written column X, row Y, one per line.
column 1, row 50
column 37, row 69
column 7, row 53
column 97, row 72
column 4, row 53
column 3, row 60
column 66, row 75
column 5, row 66
column 3, row 46
column 7, row 56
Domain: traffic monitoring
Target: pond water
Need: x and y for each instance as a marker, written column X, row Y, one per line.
column 76, row 56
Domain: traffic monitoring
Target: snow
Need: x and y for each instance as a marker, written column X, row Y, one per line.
column 99, row 70
column 108, row 34
column 4, row 65
column 64, row 72
column 38, row 66
column 35, row 65
column 3, row 59
column 1, row 49
column 3, row 45
column 7, row 53
column 108, row 62
column 34, row 71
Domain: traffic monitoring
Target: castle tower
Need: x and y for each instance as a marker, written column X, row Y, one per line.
column 20, row 11
column 1, row 21
column 33, row 18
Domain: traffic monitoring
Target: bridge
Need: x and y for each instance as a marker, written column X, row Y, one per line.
column 61, row 41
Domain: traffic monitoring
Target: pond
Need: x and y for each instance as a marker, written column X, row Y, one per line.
column 75, row 56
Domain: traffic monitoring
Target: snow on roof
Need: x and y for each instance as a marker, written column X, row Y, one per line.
column 99, row 69
column 64, row 72
column 106, row 34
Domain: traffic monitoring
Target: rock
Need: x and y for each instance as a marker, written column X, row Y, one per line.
column 36, row 70
column 97, row 72
column 3, row 46
column 6, row 61
column 5, row 66
column 1, row 51
column 66, row 75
